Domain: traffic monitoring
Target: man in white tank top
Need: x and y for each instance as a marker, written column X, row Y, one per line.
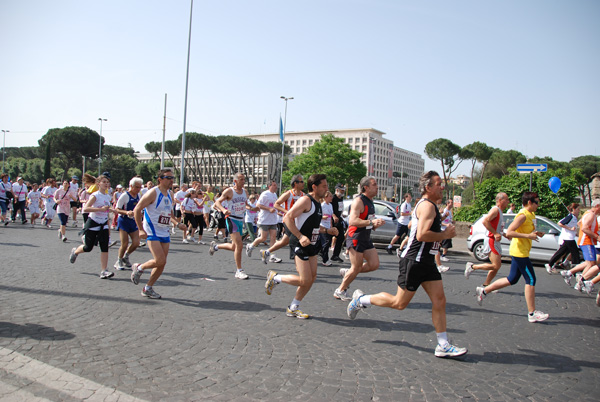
column 236, row 199
column 157, row 207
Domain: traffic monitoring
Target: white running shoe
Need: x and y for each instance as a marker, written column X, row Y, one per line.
column 213, row 247
column 341, row 295
column 327, row 264
column 444, row 258
column 355, row 306
column 588, row 287
column 550, row 269
column 120, row 265
column 240, row 274
column 185, row 241
column 274, row 259
column 343, row 272
column 264, row 254
column 468, row 269
column 537, row 316
column 249, row 249
column 567, row 275
column 449, row 351
column 443, row 268
column 480, row 295
column 106, row 274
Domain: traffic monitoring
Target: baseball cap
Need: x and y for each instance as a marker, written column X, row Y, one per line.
column 340, row 186
column 119, row 186
column 75, row 177
column 107, row 174
column 19, row 178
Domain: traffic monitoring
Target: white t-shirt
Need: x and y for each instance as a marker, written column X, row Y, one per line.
column 406, row 207
column 250, row 216
column 19, row 191
column 267, row 199
column 179, row 196
column 102, row 200
column 189, row 205
column 49, row 191
column 34, row 197
column 327, row 210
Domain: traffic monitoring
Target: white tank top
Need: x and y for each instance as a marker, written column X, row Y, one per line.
column 102, row 200
column 157, row 215
column 238, row 204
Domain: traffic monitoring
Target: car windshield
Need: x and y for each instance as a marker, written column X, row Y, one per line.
column 381, row 209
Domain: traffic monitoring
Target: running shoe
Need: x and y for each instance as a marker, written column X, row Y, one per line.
column 150, row 293
column 240, row 274
column 567, row 275
column 270, row 284
column 173, row 230
column 136, row 274
column 443, row 268
column 213, row 247
column 578, row 282
column 567, row 264
column 327, row 263
column 341, row 295
column 59, row 234
column 480, row 295
column 249, row 249
column 142, row 244
column 468, row 269
column 185, row 241
column 64, row 239
column 74, row 224
column 336, row 259
column 588, row 287
column 296, row 313
column 354, row 306
column 389, row 250
column 201, row 242
column 264, row 254
column 73, row 256
column 550, row 269
column 444, row 258
column 126, row 261
column 120, row 265
column 343, row 272
column 112, row 243
column 449, row 351
column 537, row 316
column 274, row 259
column 106, row 274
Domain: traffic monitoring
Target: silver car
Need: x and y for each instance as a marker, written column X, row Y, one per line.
column 385, row 210
column 541, row 250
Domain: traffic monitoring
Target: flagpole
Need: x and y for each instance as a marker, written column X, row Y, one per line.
column 282, row 136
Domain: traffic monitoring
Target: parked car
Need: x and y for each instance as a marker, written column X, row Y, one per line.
column 385, row 210
column 541, row 250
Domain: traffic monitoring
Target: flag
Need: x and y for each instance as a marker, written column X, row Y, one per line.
column 280, row 129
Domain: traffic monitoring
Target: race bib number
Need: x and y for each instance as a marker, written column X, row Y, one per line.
column 370, row 217
column 341, row 206
column 435, row 248
column 164, row 220
column 314, row 237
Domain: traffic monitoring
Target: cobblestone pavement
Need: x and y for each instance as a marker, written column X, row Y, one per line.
column 67, row 335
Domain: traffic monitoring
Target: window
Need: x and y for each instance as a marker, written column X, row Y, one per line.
column 303, row 142
column 357, row 140
column 310, row 142
column 364, row 148
column 349, row 140
column 364, row 139
column 297, row 150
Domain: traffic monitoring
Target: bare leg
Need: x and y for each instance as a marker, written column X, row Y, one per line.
column 307, row 271
column 371, row 263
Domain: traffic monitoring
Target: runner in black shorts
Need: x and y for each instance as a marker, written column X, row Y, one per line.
column 361, row 221
column 417, row 266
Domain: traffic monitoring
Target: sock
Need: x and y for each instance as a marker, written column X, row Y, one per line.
column 365, row 300
column 531, row 313
column 216, row 247
column 139, row 268
column 240, row 270
column 277, row 278
column 442, row 338
column 295, row 305
column 389, row 246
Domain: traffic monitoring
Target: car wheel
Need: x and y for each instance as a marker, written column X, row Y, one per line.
column 478, row 251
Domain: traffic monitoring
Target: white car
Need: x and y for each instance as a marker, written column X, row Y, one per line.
column 541, row 250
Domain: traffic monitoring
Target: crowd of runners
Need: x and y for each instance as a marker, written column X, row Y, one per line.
column 308, row 219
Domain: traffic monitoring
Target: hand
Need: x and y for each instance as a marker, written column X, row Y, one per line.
column 533, row 236
column 497, row 237
column 304, row 241
column 335, row 219
column 130, row 214
column 378, row 223
column 271, row 210
column 540, row 234
column 143, row 234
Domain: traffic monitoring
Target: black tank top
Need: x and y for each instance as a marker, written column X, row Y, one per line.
column 367, row 214
column 423, row 251
column 308, row 222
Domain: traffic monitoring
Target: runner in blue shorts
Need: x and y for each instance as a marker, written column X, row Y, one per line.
column 126, row 222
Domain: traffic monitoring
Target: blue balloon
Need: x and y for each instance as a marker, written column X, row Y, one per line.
column 554, row 184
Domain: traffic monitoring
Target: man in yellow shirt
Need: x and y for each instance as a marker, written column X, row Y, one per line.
column 521, row 232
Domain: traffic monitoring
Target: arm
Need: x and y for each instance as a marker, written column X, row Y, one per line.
column 488, row 225
column 511, row 231
column 358, row 208
column 281, row 200
column 426, row 215
column 120, row 204
column 226, row 195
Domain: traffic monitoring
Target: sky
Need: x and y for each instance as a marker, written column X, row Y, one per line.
column 514, row 74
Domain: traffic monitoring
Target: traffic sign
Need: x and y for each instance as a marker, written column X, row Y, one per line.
column 532, row 167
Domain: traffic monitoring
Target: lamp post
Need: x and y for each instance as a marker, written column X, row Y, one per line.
column 4, row 146
column 100, row 146
column 283, row 142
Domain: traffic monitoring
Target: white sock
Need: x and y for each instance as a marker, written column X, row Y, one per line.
column 139, row 268
column 277, row 278
column 442, row 338
column 240, row 270
column 365, row 300
column 216, row 247
column 295, row 305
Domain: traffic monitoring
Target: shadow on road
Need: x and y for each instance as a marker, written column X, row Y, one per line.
column 33, row 331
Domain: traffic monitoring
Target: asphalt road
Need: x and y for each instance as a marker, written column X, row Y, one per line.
column 67, row 335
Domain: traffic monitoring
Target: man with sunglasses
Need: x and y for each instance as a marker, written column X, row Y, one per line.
column 284, row 203
column 522, row 231
column 157, row 207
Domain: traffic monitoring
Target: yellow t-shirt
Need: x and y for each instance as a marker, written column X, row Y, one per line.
column 520, row 247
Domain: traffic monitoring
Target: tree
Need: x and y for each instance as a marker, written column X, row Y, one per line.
column 329, row 156
column 587, row 165
column 502, row 161
column 477, row 152
column 71, row 143
column 448, row 153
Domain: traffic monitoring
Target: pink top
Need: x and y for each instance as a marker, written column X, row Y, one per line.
column 63, row 201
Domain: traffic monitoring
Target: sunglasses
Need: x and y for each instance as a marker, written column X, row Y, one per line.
column 168, row 177
column 536, row 202
column 299, row 181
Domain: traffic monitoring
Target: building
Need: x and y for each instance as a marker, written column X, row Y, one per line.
column 386, row 162
column 397, row 170
column 460, row 180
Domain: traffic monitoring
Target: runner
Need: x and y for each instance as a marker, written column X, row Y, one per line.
column 189, row 210
column 157, row 206
column 126, row 222
column 303, row 222
column 417, row 266
column 403, row 211
column 19, row 190
column 33, row 201
column 251, row 217
column 267, row 221
column 63, row 197
column 283, row 204
column 494, row 223
column 5, row 187
column 236, row 200
column 208, row 204
column 358, row 240
column 521, row 231
column 48, row 196
column 75, row 205
column 327, row 210
column 96, row 228
column 568, row 244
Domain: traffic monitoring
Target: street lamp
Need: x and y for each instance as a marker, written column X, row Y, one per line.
column 4, row 146
column 100, row 146
column 282, row 142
